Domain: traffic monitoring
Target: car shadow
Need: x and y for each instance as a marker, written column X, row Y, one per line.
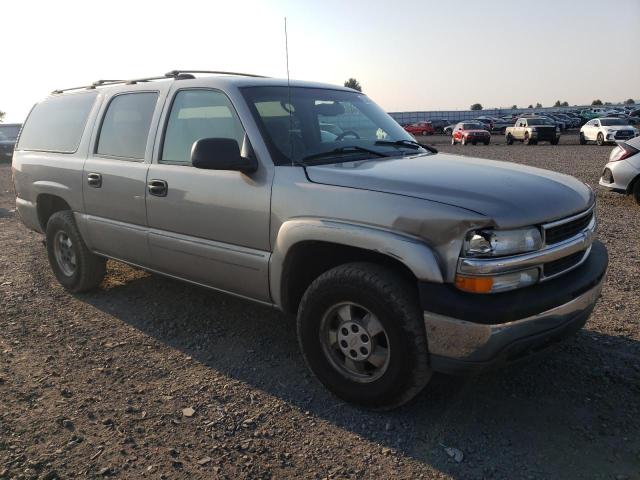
column 546, row 414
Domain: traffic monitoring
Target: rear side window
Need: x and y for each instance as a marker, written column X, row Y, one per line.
column 56, row 124
column 125, row 126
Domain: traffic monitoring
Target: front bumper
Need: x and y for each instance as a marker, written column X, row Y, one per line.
column 619, row 176
column 467, row 333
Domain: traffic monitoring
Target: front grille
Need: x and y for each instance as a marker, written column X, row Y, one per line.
column 567, row 230
column 565, row 263
column 624, row 134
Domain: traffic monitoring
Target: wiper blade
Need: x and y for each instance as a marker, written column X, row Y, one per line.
column 407, row 143
column 342, row 151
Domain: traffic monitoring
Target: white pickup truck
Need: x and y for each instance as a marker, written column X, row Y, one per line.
column 533, row 130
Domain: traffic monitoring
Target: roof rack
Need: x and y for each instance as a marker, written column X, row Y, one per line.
column 173, row 74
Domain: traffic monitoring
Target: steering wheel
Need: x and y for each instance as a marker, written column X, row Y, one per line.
column 345, row 133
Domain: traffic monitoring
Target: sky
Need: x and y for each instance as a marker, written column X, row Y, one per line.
column 408, row 55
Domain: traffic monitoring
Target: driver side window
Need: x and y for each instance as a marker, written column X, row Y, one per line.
column 197, row 114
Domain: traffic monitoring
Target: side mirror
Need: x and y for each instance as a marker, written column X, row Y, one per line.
column 220, row 154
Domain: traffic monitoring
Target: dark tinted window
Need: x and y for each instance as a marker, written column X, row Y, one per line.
column 610, row 122
column 198, row 114
column 56, row 124
column 126, row 124
column 9, row 132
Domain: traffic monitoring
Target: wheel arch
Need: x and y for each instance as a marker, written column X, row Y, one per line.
column 306, row 248
column 47, row 205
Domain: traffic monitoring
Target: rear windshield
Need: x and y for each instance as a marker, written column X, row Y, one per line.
column 9, row 132
column 608, row 122
column 56, row 124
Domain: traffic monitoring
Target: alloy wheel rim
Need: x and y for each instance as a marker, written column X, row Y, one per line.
column 355, row 342
column 64, row 252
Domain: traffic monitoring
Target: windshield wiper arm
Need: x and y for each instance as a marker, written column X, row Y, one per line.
column 344, row 150
column 407, row 143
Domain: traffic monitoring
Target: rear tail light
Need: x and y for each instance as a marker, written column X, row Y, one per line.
column 622, row 151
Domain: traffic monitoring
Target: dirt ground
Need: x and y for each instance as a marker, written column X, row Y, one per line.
column 96, row 385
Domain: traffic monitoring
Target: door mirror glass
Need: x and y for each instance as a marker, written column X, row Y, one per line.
column 220, row 154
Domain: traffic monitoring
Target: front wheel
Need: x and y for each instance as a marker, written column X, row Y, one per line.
column 464, row 140
column 509, row 139
column 453, row 141
column 486, row 142
column 600, row 139
column 555, row 141
column 636, row 191
column 527, row 140
column 361, row 332
column 583, row 141
column 75, row 267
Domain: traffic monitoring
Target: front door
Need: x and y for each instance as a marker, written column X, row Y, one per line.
column 208, row 226
column 115, row 175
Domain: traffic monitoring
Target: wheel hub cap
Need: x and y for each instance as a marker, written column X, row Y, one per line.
column 355, row 342
column 64, row 252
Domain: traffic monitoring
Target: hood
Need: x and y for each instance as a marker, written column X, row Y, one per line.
column 475, row 131
column 512, row 195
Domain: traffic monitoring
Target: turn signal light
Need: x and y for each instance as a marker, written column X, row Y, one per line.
column 474, row 284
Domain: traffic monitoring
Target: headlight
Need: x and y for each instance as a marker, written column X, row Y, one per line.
column 494, row 243
column 610, row 130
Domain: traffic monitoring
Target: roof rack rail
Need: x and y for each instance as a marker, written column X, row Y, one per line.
column 173, row 74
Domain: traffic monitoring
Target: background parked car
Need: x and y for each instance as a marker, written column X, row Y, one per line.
column 622, row 173
column 606, row 130
column 470, row 132
column 420, row 128
column 448, row 130
column 486, row 121
column 8, row 136
column 439, row 124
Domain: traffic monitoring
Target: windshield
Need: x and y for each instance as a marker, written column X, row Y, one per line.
column 473, row 126
column 9, row 132
column 608, row 122
column 331, row 125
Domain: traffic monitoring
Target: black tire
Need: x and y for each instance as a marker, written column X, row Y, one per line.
column 393, row 300
column 527, row 140
column 583, row 141
column 424, row 134
column 636, row 191
column 474, row 143
column 453, row 140
column 464, row 141
column 600, row 140
column 509, row 139
column 486, row 142
column 89, row 268
column 555, row 141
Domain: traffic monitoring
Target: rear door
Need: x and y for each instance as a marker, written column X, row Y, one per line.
column 208, row 226
column 115, row 174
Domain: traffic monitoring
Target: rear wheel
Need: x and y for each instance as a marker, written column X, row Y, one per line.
column 486, row 142
column 509, row 139
column 75, row 267
column 361, row 332
column 555, row 141
column 600, row 139
column 583, row 141
column 424, row 133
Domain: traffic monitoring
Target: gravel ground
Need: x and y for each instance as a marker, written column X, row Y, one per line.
column 152, row 378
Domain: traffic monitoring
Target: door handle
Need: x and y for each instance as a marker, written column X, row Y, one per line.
column 158, row 188
column 94, row 180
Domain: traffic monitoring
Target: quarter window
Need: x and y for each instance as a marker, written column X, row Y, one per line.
column 126, row 124
column 57, row 123
column 198, row 114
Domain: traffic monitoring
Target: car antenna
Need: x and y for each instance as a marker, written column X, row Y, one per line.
column 290, row 106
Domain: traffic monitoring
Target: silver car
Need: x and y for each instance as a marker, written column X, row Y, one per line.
column 396, row 260
column 622, row 173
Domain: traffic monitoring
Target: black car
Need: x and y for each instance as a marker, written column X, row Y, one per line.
column 8, row 136
column 439, row 124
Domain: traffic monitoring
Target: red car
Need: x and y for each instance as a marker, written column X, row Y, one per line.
column 470, row 132
column 420, row 128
